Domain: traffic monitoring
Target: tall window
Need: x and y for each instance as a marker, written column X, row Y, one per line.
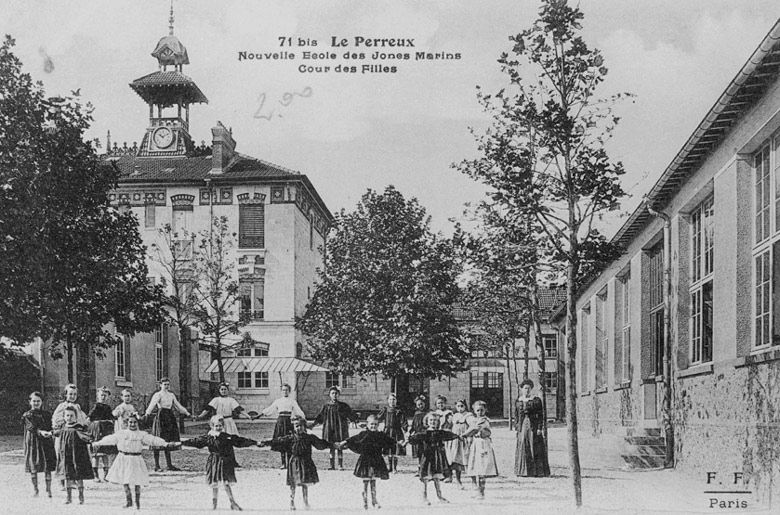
column 149, row 213
column 261, row 379
column 766, row 252
column 159, row 361
column 702, row 232
column 252, row 297
column 251, row 226
column 245, row 379
column 120, row 358
column 601, row 339
column 622, row 328
column 181, row 225
column 550, row 344
column 550, row 381
column 656, row 301
column 584, row 350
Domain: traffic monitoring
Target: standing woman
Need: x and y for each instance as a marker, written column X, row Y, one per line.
column 165, row 425
column 283, row 408
column 530, row 453
column 39, row 455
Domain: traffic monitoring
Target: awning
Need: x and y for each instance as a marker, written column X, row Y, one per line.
column 264, row 364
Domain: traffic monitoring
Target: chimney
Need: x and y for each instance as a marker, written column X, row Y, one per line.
column 223, row 147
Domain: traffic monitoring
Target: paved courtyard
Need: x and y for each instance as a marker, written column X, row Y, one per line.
column 606, row 487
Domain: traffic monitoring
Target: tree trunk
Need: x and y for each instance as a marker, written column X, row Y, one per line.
column 184, row 370
column 540, row 358
column 218, row 357
column 525, row 349
column 509, row 375
column 571, row 387
column 69, row 346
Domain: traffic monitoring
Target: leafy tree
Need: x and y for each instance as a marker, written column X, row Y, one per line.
column 544, row 159
column 72, row 267
column 383, row 302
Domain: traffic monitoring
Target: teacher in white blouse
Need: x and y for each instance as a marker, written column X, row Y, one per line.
column 283, row 408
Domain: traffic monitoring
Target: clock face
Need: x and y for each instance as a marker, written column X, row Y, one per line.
column 162, row 137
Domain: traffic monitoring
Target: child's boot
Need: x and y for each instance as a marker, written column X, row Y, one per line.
column 34, row 478
column 128, row 497
column 438, row 492
column 81, row 495
column 96, row 474
column 341, row 460
column 137, row 497
column 48, row 487
column 69, row 493
column 365, row 495
column 105, row 474
column 292, row 498
column 305, row 490
column 332, row 460
column 214, row 503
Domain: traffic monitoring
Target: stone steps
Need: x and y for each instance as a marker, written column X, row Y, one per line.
column 643, row 448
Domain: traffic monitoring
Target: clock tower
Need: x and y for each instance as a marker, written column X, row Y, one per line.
column 169, row 93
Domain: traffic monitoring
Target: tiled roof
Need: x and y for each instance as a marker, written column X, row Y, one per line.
column 184, row 169
column 168, row 84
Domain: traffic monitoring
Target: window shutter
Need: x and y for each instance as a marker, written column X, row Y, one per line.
column 251, row 226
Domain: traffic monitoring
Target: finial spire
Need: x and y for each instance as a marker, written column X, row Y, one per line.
column 170, row 20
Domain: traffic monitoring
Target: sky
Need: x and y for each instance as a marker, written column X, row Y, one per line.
column 351, row 132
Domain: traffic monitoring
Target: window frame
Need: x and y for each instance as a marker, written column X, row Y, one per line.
column 120, row 358
column 601, row 344
column 550, row 353
column 256, row 311
column 702, row 273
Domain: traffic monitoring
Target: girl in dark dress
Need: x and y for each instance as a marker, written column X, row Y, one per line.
column 433, row 458
column 73, row 463
column 418, row 424
column 220, row 466
column 530, row 452
column 370, row 444
column 396, row 426
column 335, row 417
column 39, row 455
column 301, row 470
column 101, row 424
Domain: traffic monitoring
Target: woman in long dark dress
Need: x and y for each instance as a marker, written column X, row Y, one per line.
column 220, row 465
column 370, row 444
column 531, row 451
column 335, row 417
column 101, row 424
column 73, row 463
column 396, row 426
column 301, row 470
column 433, row 457
column 39, row 455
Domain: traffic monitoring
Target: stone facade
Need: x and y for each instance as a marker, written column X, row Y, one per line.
column 723, row 296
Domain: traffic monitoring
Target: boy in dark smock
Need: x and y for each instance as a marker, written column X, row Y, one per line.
column 335, row 417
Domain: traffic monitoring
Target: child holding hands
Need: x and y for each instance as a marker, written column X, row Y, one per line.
column 433, row 458
column 39, row 455
column 482, row 459
column 370, row 444
column 220, row 465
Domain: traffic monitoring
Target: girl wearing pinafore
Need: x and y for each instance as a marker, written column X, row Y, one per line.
column 122, row 412
column 283, row 408
column 165, row 425
column 458, row 450
column 433, row 458
column 482, row 459
column 39, row 455
column 220, row 465
column 129, row 468
column 395, row 426
column 335, row 417
column 58, row 417
column 228, row 408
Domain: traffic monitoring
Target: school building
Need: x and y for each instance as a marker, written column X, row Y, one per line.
column 692, row 307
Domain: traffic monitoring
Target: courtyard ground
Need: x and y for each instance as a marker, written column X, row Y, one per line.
column 607, row 488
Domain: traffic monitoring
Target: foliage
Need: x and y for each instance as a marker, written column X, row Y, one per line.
column 544, row 158
column 71, row 265
column 383, row 303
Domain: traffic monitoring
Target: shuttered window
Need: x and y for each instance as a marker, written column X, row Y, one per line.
column 251, row 226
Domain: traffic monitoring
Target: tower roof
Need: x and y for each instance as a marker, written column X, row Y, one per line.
column 170, row 51
column 167, row 88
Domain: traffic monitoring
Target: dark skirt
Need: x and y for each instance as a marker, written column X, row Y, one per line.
column 74, row 462
column 283, row 425
column 166, row 425
column 219, row 470
column 39, row 455
column 100, row 429
column 417, row 450
column 434, row 464
column 370, row 466
column 530, row 453
column 301, row 471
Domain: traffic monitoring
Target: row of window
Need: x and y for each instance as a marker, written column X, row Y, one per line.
column 549, row 344
column 481, row 379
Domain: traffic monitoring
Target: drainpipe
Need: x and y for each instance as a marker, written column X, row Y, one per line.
column 667, row 361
